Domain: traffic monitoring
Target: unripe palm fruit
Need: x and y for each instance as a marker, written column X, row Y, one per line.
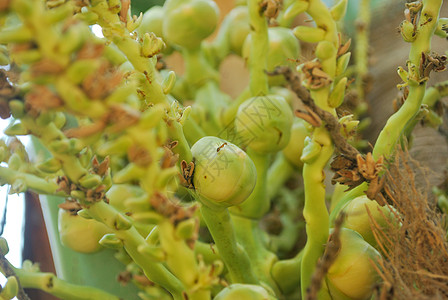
column 264, row 123
column 238, row 291
column 239, row 28
column 358, row 219
column 283, row 49
column 352, row 272
column 187, row 22
column 224, row 175
column 152, row 22
column 293, row 151
column 80, row 234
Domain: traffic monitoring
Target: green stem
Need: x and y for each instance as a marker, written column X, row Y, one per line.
column 249, row 235
column 285, row 272
column 259, row 43
column 280, row 171
column 32, row 182
column 394, row 127
column 155, row 271
column 59, row 288
column 233, row 255
column 198, row 71
column 258, row 203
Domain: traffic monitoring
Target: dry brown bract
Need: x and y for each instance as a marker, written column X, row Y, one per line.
column 416, row 252
column 315, row 77
column 434, row 62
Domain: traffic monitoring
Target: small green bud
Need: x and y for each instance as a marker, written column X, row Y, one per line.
column 309, row 34
column 16, row 128
column 122, row 222
column 358, row 219
column 337, row 94
column 168, row 82
column 147, row 217
column 264, row 123
column 4, row 248
column 26, row 56
column 129, row 173
column 152, row 45
column 80, row 69
column 408, row 31
column 80, row 234
column 293, row 151
column 18, row 34
column 187, row 23
column 244, row 291
column 4, row 56
column 11, row 288
column 154, row 252
column 114, row 6
column 403, row 74
column 15, row 161
column 133, row 23
column 348, row 126
column 118, row 193
column 310, row 151
column 224, row 175
column 83, row 213
column 339, row 9
column 51, row 165
column 325, row 50
column 78, row 195
column 296, row 8
column 17, row 108
column 186, row 229
column 352, row 273
column 111, row 241
column 90, row 181
column 342, row 63
column 18, row 186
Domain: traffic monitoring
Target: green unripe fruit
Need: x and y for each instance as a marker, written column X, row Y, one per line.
column 293, row 151
column 238, row 291
column 264, row 123
column 80, row 234
column 152, row 21
column 119, row 193
column 358, row 219
column 283, row 49
column 352, row 273
column 239, row 28
column 187, row 23
column 224, row 175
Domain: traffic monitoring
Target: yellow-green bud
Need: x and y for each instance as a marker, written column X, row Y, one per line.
column 337, row 94
column 11, row 288
column 119, row 193
column 15, row 129
column 51, row 165
column 19, row 34
column 348, row 126
column 310, row 151
column 403, row 74
column 244, row 291
column 339, row 9
column 153, row 252
column 187, row 23
column 408, row 31
column 186, row 229
column 111, row 241
column 122, row 222
column 352, row 273
column 342, row 63
column 152, row 45
column 90, row 181
column 309, row 34
column 293, row 151
column 17, row 108
column 296, row 8
column 325, row 50
column 80, row 234
column 264, row 123
column 358, row 219
column 168, row 82
column 4, row 248
column 224, row 175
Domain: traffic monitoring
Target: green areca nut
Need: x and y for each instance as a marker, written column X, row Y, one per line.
column 293, row 151
column 224, row 175
column 80, row 234
column 239, row 28
column 187, row 23
column 244, row 291
column 264, row 123
column 352, row 273
column 358, row 219
column 11, row 288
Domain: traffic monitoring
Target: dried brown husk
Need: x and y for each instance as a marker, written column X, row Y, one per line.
column 416, row 252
